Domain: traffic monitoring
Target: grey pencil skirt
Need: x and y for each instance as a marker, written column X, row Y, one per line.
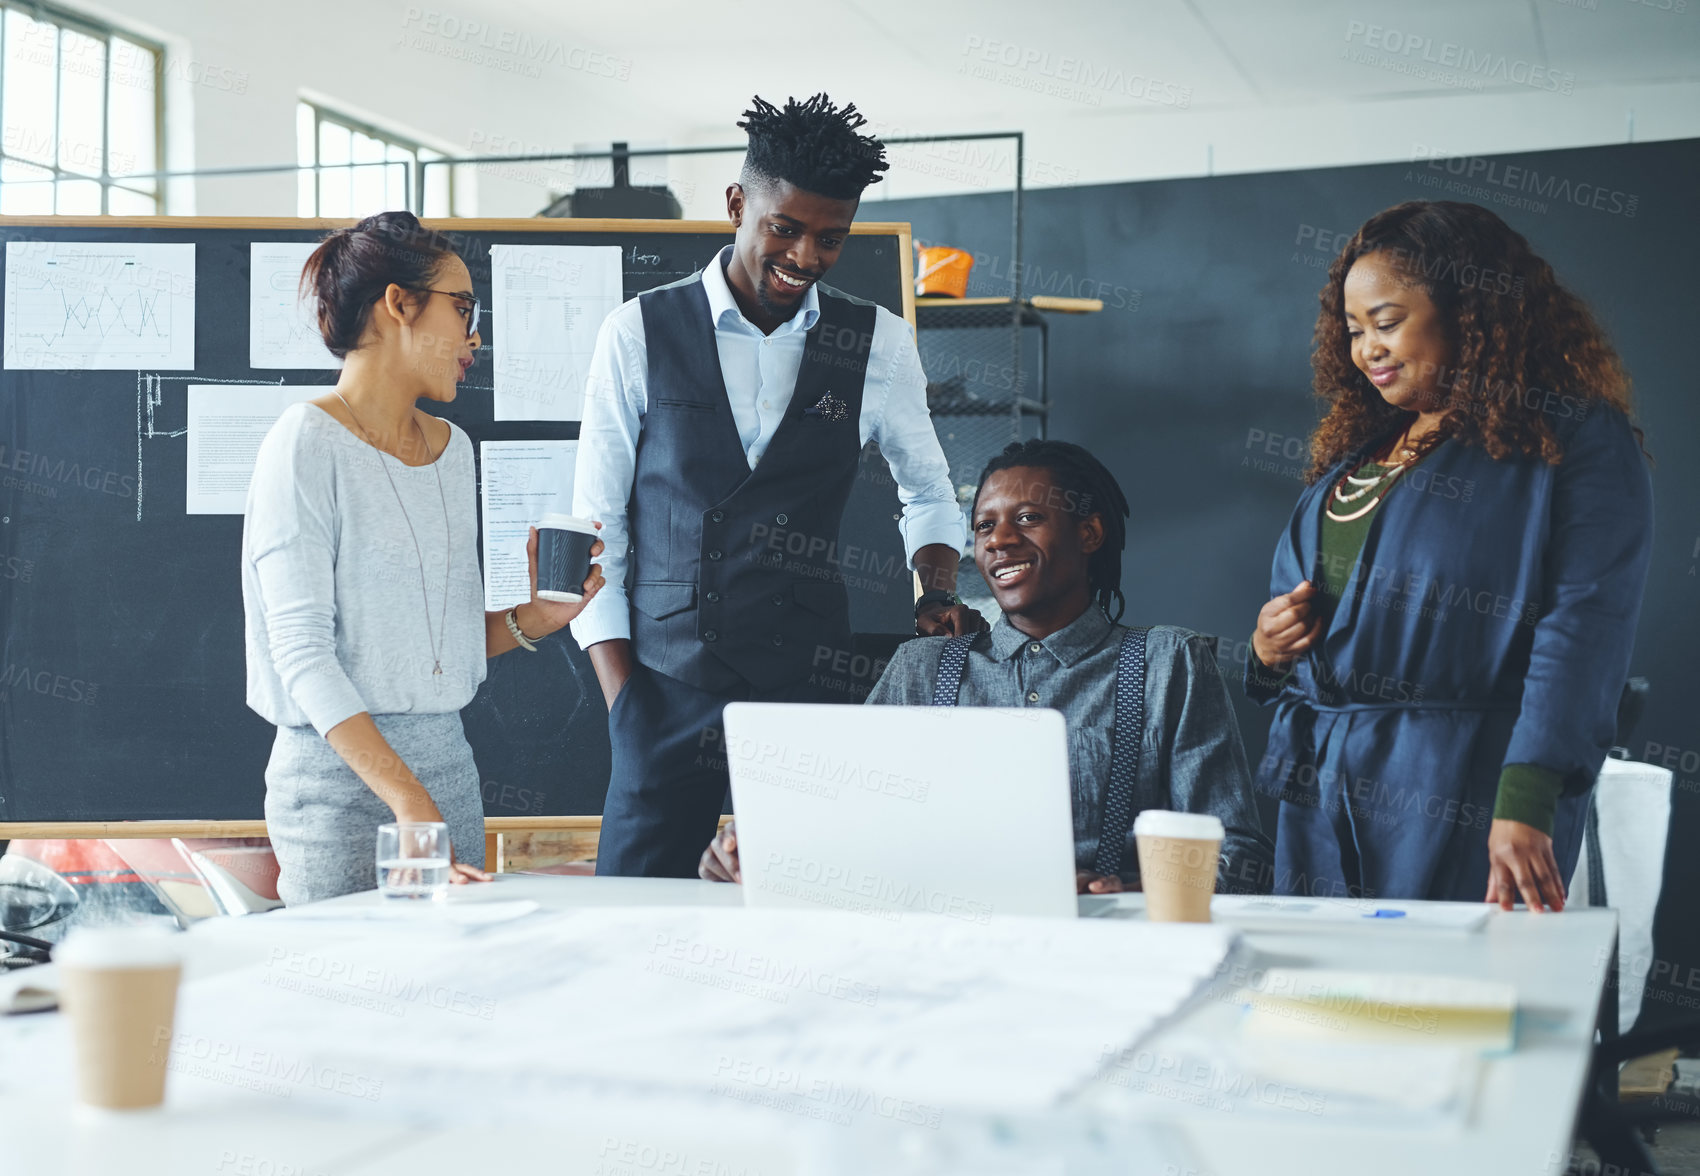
column 323, row 820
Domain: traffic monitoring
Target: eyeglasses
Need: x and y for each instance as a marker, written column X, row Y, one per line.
column 471, row 319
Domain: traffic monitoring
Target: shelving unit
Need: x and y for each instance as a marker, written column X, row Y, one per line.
column 986, row 365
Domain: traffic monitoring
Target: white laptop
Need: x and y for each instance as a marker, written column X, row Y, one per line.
column 886, row 810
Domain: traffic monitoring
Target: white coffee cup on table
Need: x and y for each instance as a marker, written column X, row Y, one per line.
column 118, row 985
column 1178, row 853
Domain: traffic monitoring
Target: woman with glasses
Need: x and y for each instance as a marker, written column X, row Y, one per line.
column 366, row 633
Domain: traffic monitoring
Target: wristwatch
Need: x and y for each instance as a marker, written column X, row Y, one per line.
column 932, row 597
column 513, row 627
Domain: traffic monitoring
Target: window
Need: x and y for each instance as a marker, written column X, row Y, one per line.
column 328, row 143
column 80, row 106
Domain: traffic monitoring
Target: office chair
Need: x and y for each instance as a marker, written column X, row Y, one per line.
column 1614, row 1129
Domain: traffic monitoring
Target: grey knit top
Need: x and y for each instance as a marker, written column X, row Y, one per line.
column 335, row 620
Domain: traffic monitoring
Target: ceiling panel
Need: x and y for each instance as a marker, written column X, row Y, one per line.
column 950, row 63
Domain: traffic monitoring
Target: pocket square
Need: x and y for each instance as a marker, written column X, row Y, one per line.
column 828, row 408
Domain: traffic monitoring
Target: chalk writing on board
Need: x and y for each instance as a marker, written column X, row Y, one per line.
column 150, row 396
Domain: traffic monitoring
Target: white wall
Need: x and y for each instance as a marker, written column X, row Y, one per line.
column 234, row 78
column 235, row 73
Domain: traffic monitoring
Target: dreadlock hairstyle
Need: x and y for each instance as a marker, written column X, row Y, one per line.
column 1521, row 342
column 811, row 145
column 1088, row 489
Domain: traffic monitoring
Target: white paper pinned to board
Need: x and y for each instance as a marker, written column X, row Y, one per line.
column 104, row 305
column 548, row 303
column 227, row 422
column 283, row 328
column 521, row 482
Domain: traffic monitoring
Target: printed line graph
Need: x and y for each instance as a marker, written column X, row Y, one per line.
column 283, row 331
column 103, row 306
column 72, row 321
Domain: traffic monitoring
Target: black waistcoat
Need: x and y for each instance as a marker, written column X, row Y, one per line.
column 733, row 572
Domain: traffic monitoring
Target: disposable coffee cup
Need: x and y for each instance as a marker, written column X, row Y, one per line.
column 563, row 556
column 1177, row 864
column 119, row 987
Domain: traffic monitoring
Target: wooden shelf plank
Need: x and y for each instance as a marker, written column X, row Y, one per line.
column 1037, row 302
column 65, row 830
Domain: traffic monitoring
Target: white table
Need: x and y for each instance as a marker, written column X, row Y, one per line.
column 1521, row 1123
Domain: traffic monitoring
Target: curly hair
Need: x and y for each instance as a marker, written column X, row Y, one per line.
column 1525, row 350
column 1088, row 489
column 812, row 145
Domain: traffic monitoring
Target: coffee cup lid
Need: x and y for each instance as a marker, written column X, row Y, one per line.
column 567, row 522
column 1186, row 826
column 117, row 947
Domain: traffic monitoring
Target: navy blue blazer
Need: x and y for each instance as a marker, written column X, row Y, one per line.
column 1488, row 621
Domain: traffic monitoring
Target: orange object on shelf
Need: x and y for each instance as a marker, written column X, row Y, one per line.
column 942, row 270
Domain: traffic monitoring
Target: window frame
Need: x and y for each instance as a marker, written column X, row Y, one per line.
column 390, row 139
column 104, row 32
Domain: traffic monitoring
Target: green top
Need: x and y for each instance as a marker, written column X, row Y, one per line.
column 1527, row 792
column 1343, row 536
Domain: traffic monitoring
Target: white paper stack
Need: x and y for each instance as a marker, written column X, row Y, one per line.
column 828, row 1017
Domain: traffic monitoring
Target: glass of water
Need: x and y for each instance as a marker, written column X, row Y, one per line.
column 414, row 860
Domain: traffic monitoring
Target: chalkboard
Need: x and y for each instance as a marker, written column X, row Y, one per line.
column 122, row 674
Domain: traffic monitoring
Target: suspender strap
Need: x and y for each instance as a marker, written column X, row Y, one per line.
column 1124, row 755
column 948, row 685
column 1129, row 734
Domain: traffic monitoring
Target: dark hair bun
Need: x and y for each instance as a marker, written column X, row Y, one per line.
column 351, row 269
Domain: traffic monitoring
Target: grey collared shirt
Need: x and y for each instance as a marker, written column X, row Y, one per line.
column 1191, row 758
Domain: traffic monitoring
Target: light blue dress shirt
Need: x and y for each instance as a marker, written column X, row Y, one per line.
column 760, row 372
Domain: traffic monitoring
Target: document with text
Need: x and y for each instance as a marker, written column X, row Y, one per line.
column 227, row 422
column 521, row 482
column 548, row 302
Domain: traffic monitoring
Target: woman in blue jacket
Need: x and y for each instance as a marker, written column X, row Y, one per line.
column 1455, row 596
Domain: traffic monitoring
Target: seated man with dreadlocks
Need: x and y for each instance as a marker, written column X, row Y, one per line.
column 1048, row 537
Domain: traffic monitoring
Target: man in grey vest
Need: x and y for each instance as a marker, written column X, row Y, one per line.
column 725, row 417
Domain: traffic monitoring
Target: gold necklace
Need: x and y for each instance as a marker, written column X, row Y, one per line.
column 1407, row 448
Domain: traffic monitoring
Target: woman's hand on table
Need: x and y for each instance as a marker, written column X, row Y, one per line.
column 1520, row 862
column 427, row 813
column 460, row 873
